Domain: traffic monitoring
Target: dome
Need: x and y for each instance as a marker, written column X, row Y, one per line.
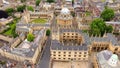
column 113, row 60
column 114, row 56
column 65, row 11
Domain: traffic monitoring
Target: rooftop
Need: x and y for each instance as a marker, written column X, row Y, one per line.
column 65, row 11
column 56, row 45
column 105, row 60
column 26, row 49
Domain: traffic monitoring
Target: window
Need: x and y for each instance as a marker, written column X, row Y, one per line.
column 64, row 52
column 85, row 52
column 105, row 48
column 79, row 58
column 102, row 48
column 72, row 36
column 54, row 52
column 116, row 49
column 75, row 36
column 54, row 55
column 79, row 55
column 59, row 52
column 63, row 58
column 79, row 52
column 75, row 52
column 69, row 52
column 84, row 55
column 59, row 58
column 69, row 55
column 59, row 55
column 64, row 55
column 74, row 55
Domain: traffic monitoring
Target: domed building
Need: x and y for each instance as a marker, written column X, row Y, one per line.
column 65, row 18
column 106, row 59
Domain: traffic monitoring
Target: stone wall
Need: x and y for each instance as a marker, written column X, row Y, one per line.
column 67, row 55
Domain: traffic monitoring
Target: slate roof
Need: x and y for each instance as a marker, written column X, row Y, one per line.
column 56, row 45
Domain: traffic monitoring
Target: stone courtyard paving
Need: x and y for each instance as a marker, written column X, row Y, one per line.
column 71, row 64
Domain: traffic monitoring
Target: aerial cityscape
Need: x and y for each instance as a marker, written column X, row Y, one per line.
column 59, row 33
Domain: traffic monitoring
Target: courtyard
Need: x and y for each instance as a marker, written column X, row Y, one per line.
column 39, row 20
column 58, row 64
column 11, row 30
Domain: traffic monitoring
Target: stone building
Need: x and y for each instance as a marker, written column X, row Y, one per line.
column 45, row 11
column 65, row 19
column 71, row 44
column 64, row 3
column 21, row 50
column 106, row 59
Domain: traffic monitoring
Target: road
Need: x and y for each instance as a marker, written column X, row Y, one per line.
column 45, row 58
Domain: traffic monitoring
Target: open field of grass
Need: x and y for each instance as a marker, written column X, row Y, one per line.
column 39, row 20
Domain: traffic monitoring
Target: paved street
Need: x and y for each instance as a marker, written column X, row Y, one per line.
column 45, row 58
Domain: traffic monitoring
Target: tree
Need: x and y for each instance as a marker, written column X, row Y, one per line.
column 73, row 14
column 48, row 32
column 9, row 11
column 50, row 1
column 3, row 14
column 72, row 1
column 22, row 1
column 98, row 27
column 21, row 8
column 107, row 14
column 30, row 37
column 109, row 29
column 30, row 8
column 37, row 2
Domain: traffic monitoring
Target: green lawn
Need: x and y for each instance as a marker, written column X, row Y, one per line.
column 88, row 13
column 8, row 31
column 39, row 20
